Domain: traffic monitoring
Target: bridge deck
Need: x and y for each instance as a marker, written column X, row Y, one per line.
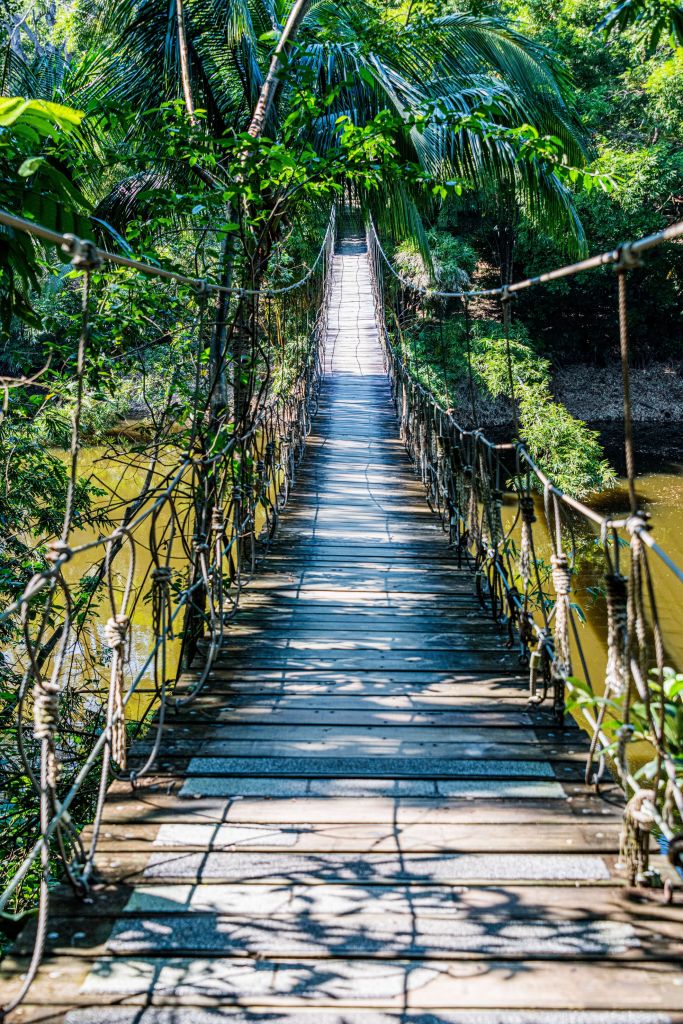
column 360, row 822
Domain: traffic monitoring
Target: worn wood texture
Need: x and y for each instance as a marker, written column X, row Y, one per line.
column 360, row 821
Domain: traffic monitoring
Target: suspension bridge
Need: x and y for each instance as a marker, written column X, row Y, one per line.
column 355, row 810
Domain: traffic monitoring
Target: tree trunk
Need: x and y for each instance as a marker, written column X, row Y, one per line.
column 184, row 62
column 273, row 82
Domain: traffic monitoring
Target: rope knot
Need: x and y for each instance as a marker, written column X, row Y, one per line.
column 562, row 575
column 45, row 712
column 161, row 574
column 640, row 808
column 526, row 628
column 627, row 258
column 45, row 723
column 635, row 836
column 83, row 252
column 116, row 631
column 161, row 584
column 58, row 550
column 624, row 736
column 217, row 519
column 637, row 522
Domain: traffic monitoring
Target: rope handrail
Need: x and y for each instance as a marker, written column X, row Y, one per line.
column 237, row 465
column 625, row 253
column 605, row 523
column 465, row 476
column 74, row 245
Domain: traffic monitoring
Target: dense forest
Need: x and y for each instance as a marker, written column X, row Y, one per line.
column 544, row 132
column 212, row 138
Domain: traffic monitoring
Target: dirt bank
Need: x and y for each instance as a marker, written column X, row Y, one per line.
column 595, row 393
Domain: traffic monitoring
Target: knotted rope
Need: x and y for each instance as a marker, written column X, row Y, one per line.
column 116, row 635
column 616, row 672
column 562, row 581
column 634, row 851
column 561, row 665
column 45, row 723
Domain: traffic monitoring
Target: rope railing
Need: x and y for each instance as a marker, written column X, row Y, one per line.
column 204, row 514
column 469, row 479
column 628, row 254
column 83, row 250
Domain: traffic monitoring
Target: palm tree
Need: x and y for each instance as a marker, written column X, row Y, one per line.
column 227, row 58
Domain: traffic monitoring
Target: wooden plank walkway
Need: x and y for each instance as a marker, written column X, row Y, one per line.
column 360, row 821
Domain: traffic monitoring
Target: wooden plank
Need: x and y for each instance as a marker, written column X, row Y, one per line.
column 151, row 802
column 419, row 937
column 326, row 838
column 193, row 732
column 347, row 983
column 355, row 748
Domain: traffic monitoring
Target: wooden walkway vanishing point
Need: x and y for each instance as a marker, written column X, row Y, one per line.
column 360, row 821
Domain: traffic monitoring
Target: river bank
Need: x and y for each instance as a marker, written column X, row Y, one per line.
column 594, row 393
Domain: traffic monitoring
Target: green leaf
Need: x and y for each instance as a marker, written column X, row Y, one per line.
column 31, row 165
column 38, row 112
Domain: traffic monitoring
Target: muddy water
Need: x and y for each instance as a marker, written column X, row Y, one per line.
column 661, row 495
column 122, row 478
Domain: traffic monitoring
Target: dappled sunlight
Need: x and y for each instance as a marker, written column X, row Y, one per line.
column 361, row 819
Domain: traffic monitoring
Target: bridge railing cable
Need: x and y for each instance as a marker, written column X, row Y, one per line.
column 488, row 496
column 208, row 506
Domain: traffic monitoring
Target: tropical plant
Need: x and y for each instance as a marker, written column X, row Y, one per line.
column 459, row 87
